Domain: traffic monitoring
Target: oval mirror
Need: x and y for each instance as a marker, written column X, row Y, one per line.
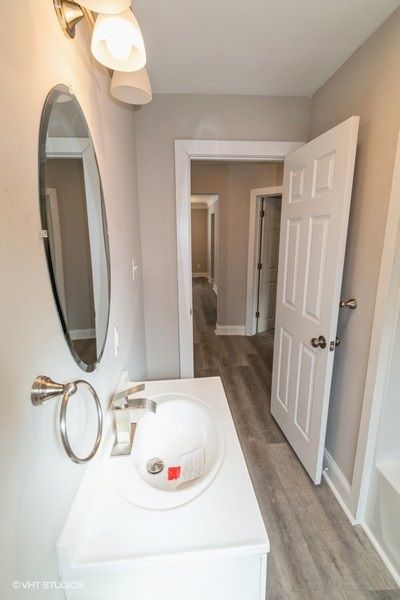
column 74, row 227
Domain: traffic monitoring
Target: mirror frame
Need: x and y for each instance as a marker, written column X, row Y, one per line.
column 44, row 122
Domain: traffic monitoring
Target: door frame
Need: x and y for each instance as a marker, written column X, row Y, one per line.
column 211, row 270
column 379, row 355
column 185, row 152
column 213, row 217
column 256, row 195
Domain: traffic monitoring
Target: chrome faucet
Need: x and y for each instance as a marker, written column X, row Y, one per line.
column 127, row 412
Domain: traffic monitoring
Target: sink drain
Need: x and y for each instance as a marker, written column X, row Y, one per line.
column 154, row 466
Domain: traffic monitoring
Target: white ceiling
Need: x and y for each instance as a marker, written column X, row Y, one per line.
column 265, row 47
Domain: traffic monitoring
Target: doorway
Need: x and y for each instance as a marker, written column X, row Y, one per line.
column 187, row 151
column 212, row 248
column 270, row 216
column 262, row 262
column 226, row 239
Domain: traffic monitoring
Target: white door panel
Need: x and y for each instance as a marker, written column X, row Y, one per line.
column 315, row 208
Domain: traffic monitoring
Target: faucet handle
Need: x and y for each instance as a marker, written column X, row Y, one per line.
column 119, row 403
column 135, row 403
column 123, row 395
column 141, row 404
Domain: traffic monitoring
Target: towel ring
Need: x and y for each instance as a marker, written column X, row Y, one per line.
column 44, row 389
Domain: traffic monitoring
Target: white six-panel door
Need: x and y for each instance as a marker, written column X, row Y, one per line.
column 315, row 209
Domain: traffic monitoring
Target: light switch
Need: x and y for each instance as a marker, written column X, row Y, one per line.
column 134, row 269
column 116, row 339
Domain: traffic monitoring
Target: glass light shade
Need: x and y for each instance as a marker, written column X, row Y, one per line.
column 64, row 98
column 107, row 7
column 132, row 88
column 117, row 42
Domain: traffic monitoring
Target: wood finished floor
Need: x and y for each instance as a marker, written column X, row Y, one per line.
column 315, row 553
column 86, row 350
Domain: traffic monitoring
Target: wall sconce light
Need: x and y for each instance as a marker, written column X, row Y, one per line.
column 131, row 88
column 69, row 13
column 117, row 43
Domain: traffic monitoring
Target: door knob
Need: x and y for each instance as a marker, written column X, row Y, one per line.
column 319, row 342
column 351, row 303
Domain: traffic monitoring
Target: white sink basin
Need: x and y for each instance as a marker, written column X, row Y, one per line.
column 184, row 439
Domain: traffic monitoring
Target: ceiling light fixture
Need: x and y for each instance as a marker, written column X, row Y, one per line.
column 117, row 42
column 131, row 88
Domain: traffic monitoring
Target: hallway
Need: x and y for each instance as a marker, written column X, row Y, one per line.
column 315, row 553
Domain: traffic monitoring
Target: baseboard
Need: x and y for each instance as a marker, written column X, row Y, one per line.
column 230, row 330
column 338, row 484
column 215, row 289
column 385, row 559
column 82, row 334
column 198, row 274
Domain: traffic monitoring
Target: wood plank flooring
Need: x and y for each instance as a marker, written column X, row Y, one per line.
column 315, row 552
column 86, row 350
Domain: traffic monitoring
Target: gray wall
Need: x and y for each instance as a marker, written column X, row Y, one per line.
column 199, row 240
column 368, row 84
column 232, row 181
column 158, row 124
column 38, row 481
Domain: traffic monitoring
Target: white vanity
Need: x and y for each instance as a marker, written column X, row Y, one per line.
column 128, row 538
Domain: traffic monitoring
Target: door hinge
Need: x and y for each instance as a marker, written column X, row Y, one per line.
column 257, row 315
column 259, row 266
column 43, row 234
column 262, row 213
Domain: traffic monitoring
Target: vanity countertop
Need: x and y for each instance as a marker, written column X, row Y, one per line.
column 225, row 520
